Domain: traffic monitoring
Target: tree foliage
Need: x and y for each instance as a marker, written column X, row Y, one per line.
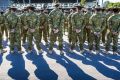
column 110, row 5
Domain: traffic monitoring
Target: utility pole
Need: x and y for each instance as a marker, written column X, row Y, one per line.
column 30, row 2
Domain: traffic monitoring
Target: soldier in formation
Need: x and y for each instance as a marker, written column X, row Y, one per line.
column 91, row 25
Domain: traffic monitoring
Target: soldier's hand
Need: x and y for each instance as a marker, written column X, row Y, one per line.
column 25, row 27
column 12, row 30
column 55, row 30
column 32, row 30
column 78, row 30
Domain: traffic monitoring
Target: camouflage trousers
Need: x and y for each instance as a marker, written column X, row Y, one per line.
column 24, row 35
column 87, row 34
column 96, row 40
column 53, row 39
column 104, row 32
column 70, row 34
column 75, row 37
column 111, row 38
column 43, row 33
column 15, row 40
column 4, row 29
column 30, row 36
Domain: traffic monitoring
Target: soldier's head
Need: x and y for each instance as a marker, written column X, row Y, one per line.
column 103, row 10
column 46, row 11
column 25, row 9
column 78, row 7
column 98, row 10
column 66, row 11
column 12, row 9
column 31, row 8
column 2, row 12
column 115, row 10
column 57, row 5
column 109, row 10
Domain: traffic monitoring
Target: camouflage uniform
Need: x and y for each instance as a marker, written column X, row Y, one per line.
column 13, row 24
column 70, row 25
column 114, row 27
column 87, row 30
column 107, row 15
column 78, row 25
column 98, row 23
column 56, row 20
column 2, row 24
column 4, row 28
column 43, row 24
column 33, row 30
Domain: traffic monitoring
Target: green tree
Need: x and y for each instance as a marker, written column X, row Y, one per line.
column 83, row 2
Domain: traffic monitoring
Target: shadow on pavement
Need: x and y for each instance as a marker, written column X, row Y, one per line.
column 17, row 72
column 94, row 60
column 72, row 69
column 43, row 71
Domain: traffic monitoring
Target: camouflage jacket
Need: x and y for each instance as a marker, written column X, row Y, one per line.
column 98, row 22
column 13, row 22
column 56, row 19
column 114, row 23
column 78, row 21
column 31, row 20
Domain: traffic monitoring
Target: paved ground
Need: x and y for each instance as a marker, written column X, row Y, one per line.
column 55, row 67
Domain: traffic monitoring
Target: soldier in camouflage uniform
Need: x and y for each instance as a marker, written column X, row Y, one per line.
column 24, row 26
column 73, row 10
column 33, row 29
column 107, row 14
column 2, row 24
column 78, row 25
column 56, row 20
column 98, row 24
column 87, row 29
column 13, row 23
column 43, row 24
column 114, row 27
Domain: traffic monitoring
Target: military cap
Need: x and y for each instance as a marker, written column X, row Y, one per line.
column 115, row 10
